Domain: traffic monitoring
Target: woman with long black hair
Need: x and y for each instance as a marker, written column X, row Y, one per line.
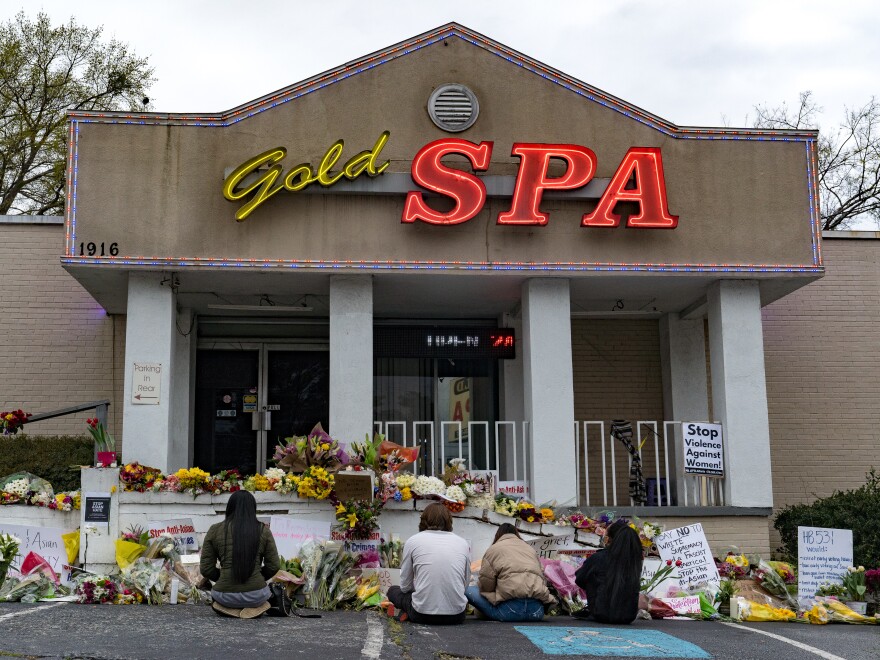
column 610, row 577
column 246, row 552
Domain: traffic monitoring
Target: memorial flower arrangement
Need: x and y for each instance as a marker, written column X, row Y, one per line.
column 103, row 440
column 425, row 486
column 256, row 482
column 505, row 505
column 66, row 501
column 11, row 421
column 9, row 545
column 18, row 487
column 455, row 493
column 766, row 576
column 97, row 589
column 358, row 518
column 226, row 481
column 853, row 582
column 192, row 480
column 316, row 448
column 315, row 483
column 138, row 478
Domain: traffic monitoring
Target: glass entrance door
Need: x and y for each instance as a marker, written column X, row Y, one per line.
column 250, row 399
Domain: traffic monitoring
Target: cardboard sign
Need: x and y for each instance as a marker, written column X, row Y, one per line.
column 96, row 507
column 181, row 529
column 351, row 485
column 703, row 448
column 290, row 533
column 823, row 556
column 684, row 605
column 549, row 547
column 388, row 577
column 45, row 541
column 514, row 488
column 689, row 545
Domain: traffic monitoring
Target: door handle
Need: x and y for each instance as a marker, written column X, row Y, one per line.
column 255, row 421
column 267, row 421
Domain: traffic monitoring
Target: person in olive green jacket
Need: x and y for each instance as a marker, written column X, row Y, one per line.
column 247, row 555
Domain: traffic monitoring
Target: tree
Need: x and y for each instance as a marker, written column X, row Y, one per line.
column 44, row 72
column 849, row 158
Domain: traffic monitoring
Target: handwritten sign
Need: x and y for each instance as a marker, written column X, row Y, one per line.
column 703, row 445
column 689, row 545
column 45, row 541
column 388, row 577
column 684, row 605
column 823, row 556
column 549, row 547
column 290, row 534
column 351, row 485
column 514, row 488
column 181, row 529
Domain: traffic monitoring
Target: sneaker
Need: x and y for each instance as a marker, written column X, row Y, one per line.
column 254, row 612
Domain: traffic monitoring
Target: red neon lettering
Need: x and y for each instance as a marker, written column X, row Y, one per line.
column 649, row 192
column 532, row 179
column 468, row 191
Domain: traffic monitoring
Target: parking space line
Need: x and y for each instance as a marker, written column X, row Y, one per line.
column 30, row 610
column 375, row 637
column 800, row 645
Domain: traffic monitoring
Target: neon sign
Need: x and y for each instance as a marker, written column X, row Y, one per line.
column 639, row 178
column 298, row 177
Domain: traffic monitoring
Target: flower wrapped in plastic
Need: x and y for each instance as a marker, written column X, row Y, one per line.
column 316, row 448
column 425, row 486
column 840, row 613
column 137, row 477
column 367, row 593
column 96, row 589
column 391, row 552
column 9, row 545
column 358, row 518
column 149, row 577
column 752, row 611
column 766, row 576
column 193, row 480
column 315, row 482
column 324, row 564
column 734, row 564
column 505, row 505
column 560, row 574
column 27, row 589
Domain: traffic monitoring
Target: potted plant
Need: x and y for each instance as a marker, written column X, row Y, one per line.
column 854, row 583
column 105, row 445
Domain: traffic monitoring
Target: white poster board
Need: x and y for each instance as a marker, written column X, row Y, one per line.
column 146, row 383
column 181, row 529
column 514, row 488
column 291, row 533
column 45, row 541
column 650, row 566
column 689, row 545
column 823, row 556
column 703, row 448
column 549, row 547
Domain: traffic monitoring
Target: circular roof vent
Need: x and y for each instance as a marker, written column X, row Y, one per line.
column 454, row 108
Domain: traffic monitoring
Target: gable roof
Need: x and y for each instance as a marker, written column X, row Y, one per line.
column 404, row 48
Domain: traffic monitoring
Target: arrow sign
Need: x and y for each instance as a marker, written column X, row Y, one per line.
column 146, row 383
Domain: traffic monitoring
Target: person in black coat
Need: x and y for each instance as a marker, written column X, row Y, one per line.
column 611, row 577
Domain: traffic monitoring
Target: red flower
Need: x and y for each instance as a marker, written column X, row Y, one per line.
column 669, row 562
column 678, row 562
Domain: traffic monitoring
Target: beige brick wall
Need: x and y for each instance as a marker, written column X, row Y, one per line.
column 822, row 353
column 58, row 347
column 748, row 533
column 616, row 376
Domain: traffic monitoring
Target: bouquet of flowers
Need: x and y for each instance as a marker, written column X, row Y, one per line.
column 287, row 484
column 646, row 586
column 455, row 493
column 771, row 582
column 274, row 475
column 316, row 448
column 137, row 477
column 226, row 481
column 97, row 589
column 28, row 589
column 367, row 594
column 734, row 565
column 854, row 583
column 11, row 421
column 103, row 440
column 366, row 453
column 315, row 482
column 405, row 481
column 358, row 518
column 148, row 576
column 505, row 505
column 425, row 486
column 9, row 545
column 325, row 564
column 596, row 525
column 872, row 580
column 17, row 488
column 66, row 501
column 193, row 480
column 256, row 482
column 390, row 552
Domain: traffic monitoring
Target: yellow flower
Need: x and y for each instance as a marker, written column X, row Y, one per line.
column 405, row 494
column 352, row 519
column 531, row 518
column 325, row 446
column 340, row 508
column 112, row 489
column 547, row 515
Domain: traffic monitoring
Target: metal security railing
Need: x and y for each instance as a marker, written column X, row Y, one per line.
column 500, row 446
column 603, row 466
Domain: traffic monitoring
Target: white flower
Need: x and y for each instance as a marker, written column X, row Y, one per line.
column 428, row 486
column 274, row 473
column 405, row 480
column 851, row 569
column 469, row 488
column 18, row 487
column 458, row 464
column 455, row 493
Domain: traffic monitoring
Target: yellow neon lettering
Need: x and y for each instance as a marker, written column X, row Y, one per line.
column 333, row 153
column 262, row 186
column 299, row 177
column 304, row 171
column 366, row 160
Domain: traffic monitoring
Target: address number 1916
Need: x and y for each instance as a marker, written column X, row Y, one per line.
column 98, row 249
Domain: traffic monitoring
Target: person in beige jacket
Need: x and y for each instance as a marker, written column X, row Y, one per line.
column 511, row 583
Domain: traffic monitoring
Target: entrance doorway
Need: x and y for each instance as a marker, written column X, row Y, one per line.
column 249, row 399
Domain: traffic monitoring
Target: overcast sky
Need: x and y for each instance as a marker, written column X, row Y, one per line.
column 693, row 63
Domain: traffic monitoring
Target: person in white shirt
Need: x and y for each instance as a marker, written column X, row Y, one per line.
column 434, row 571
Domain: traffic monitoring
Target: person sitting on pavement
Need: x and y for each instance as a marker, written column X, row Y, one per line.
column 434, row 571
column 611, row 577
column 247, row 555
column 511, row 584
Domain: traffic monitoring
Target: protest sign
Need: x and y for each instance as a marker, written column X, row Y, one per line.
column 689, row 545
column 514, row 488
column 549, row 547
column 96, row 507
column 650, row 566
column 823, row 556
column 290, row 533
column 684, row 605
column 45, row 541
column 351, row 485
column 181, row 529
column 388, row 577
column 703, row 445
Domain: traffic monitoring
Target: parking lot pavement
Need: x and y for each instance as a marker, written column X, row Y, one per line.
column 144, row 632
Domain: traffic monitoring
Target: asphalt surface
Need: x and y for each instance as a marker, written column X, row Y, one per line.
column 182, row 631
